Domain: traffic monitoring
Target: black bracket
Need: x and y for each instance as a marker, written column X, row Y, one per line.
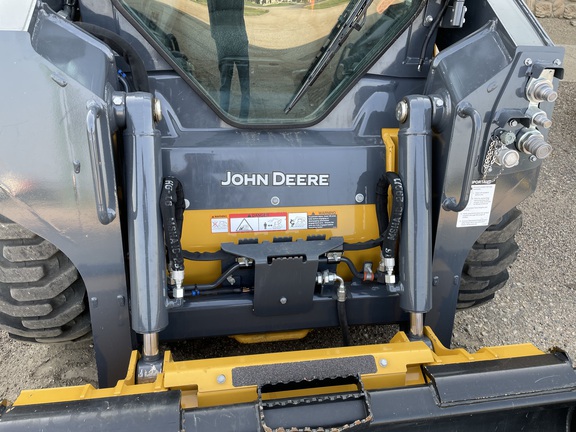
column 285, row 273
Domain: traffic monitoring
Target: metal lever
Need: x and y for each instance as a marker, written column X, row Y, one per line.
column 465, row 110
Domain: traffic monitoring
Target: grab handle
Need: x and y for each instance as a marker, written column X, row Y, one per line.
column 105, row 208
column 449, row 203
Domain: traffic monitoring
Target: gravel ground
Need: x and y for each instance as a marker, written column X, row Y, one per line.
column 538, row 305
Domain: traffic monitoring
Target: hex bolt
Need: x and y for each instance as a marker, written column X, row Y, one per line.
column 557, row 62
column 402, row 110
column 428, row 20
column 513, row 123
column 359, row 198
column 221, row 379
column 283, row 300
column 528, row 62
column 156, row 110
column 383, row 362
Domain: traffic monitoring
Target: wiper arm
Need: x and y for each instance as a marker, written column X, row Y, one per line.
column 353, row 17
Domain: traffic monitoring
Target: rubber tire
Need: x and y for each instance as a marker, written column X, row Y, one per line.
column 42, row 296
column 486, row 268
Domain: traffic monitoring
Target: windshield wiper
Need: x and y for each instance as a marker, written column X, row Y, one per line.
column 353, row 17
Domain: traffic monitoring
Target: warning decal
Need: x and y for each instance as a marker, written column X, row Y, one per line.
column 219, row 224
column 258, row 222
column 477, row 212
column 297, row 221
column 322, row 220
column 277, row 221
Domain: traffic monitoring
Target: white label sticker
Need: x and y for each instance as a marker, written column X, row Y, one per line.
column 272, row 223
column 257, row 222
column 243, row 224
column 477, row 212
column 297, row 221
column 219, row 225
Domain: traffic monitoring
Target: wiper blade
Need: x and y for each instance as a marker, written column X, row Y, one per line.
column 353, row 17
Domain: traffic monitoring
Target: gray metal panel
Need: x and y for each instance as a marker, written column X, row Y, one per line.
column 497, row 90
column 42, row 136
column 203, row 159
column 74, row 52
column 515, row 20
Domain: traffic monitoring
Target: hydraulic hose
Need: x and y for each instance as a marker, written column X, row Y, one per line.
column 215, row 284
column 352, row 268
column 343, row 320
column 390, row 235
column 433, row 28
column 172, row 211
column 342, row 315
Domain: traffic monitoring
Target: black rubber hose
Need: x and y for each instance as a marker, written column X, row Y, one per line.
column 122, row 47
column 433, row 28
column 352, row 268
column 343, row 319
column 390, row 236
column 215, row 284
column 172, row 211
column 382, row 203
column 219, row 255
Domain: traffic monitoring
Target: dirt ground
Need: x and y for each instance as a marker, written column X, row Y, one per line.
column 539, row 304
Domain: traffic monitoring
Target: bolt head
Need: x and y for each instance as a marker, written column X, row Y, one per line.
column 157, row 110
column 383, row 362
column 283, row 300
column 221, row 379
column 429, row 19
column 513, row 123
column 402, row 110
column 557, row 62
column 528, row 62
column 359, row 198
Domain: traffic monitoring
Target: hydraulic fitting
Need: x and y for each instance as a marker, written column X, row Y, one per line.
column 538, row 117
column 327, row 277
column 368, row 273
column 507, row 158
column 341, row 293
column 540, row 90
column 177, row 277
column 386, row 266
column 532, row 142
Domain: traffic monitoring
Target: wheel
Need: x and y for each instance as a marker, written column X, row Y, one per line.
column 42, row 296
column 486, row 268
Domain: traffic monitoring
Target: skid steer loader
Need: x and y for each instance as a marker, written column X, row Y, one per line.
column 177, row 169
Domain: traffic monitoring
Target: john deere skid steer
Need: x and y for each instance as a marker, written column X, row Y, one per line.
column 179, row 169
